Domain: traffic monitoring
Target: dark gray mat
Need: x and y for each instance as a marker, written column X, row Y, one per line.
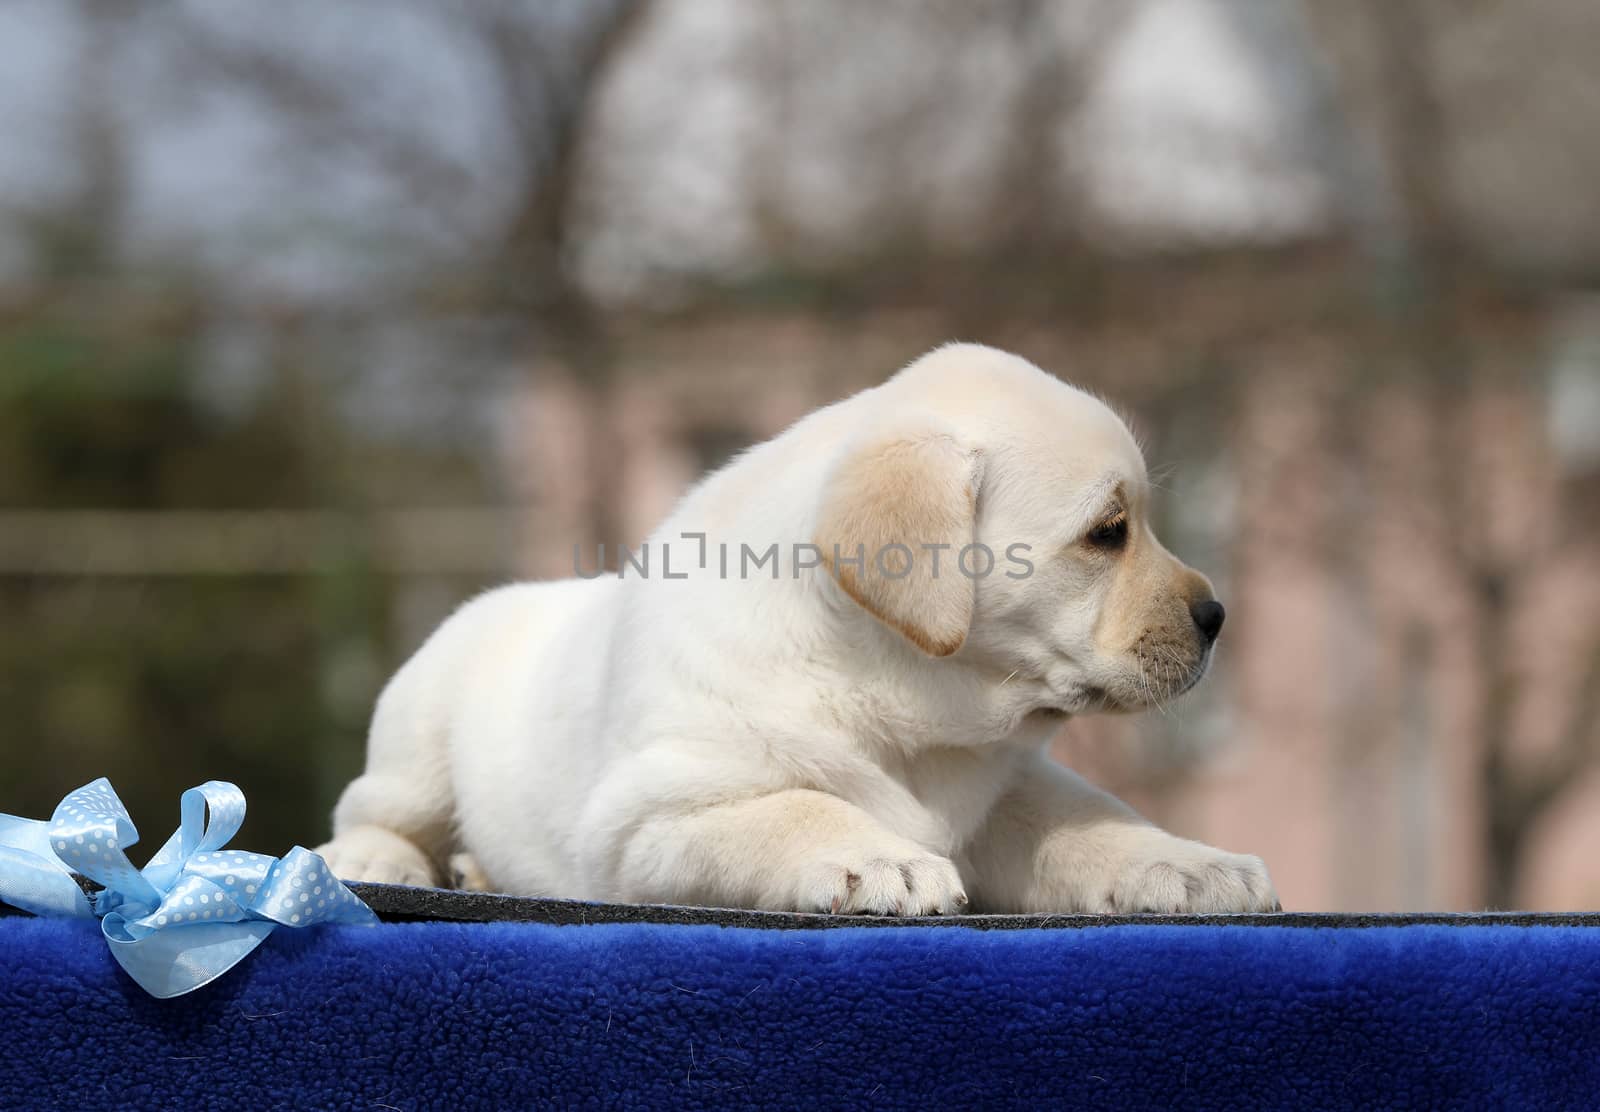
column 400, row 904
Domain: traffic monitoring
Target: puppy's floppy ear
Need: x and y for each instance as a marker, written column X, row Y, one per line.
column 889, row 496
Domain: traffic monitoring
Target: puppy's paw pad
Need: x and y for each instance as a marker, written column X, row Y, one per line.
column 1193, row 880
column 377, row 871
column 900, row 882
column 371, row 856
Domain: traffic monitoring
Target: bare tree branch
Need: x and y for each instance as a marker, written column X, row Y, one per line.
column 1579, row 749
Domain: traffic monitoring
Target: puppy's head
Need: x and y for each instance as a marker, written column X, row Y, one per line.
column 994, row 516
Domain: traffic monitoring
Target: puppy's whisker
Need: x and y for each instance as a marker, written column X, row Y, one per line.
column 1182, row 676
column 1149, row 688
column 1172, row 673
column 1158, row 476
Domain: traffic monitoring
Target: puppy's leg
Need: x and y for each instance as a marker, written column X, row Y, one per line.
column 793, row 850
column 1054, row 843
column 393, row 823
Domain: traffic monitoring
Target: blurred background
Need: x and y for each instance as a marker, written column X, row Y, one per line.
column 316, row 319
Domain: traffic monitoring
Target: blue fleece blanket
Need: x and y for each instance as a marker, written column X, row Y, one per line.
column 508, row 1015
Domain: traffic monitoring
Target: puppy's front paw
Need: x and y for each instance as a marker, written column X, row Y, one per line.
column 1179, row 877
column 895, row 879
column 378, row 856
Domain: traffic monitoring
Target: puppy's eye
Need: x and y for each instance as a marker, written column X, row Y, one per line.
column 1110, row 533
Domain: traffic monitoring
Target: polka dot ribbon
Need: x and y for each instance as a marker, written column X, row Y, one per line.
column 194, row 911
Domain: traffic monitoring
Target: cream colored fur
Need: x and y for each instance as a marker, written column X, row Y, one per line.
column 840, row 736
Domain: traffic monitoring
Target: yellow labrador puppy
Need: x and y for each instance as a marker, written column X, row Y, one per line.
column 827, row 683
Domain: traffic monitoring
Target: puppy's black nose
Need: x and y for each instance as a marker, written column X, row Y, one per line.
column 1208, row 617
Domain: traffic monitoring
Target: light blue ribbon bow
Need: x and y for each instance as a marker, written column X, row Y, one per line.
column 195, row 911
